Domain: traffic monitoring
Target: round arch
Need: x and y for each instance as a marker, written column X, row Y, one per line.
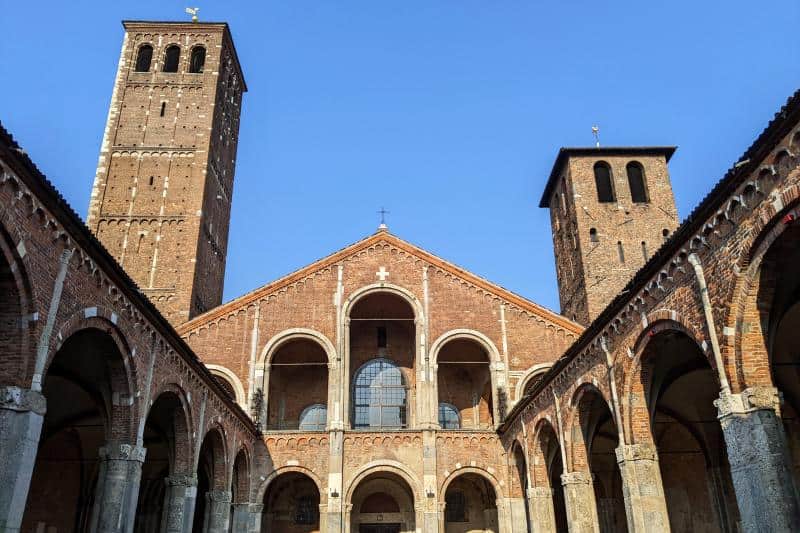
column 473, row 470
column 262, row 488
column 468, row 334
column 231, row 378
column 280, row 339
column 182, row 463
column 220, row 454
column 532, row 372
column 392, row 467
column 390, row 288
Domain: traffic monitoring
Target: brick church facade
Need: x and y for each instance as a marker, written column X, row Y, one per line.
column 381, row 388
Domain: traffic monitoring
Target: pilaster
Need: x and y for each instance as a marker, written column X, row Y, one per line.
column 642, row 488
column 759, row 460
column 579, row 501
column 21, row 416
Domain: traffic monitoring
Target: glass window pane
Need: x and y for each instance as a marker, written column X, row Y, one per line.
column 379, row 395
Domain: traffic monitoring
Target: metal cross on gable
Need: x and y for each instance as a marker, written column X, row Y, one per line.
column 383, row 212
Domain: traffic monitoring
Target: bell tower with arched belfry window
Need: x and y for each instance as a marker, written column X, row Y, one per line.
column 610, row 210
column 161, row 199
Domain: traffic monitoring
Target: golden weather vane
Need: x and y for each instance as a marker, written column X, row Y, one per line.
column 193, row 12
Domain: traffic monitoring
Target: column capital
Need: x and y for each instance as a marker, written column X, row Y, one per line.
column 223, row 496
column 19, row 399
column 540, row 492
column 181, row 480
column 752, row 399
column 636, row 452
column 120, row 451
column 576, row 478
column 256, row 507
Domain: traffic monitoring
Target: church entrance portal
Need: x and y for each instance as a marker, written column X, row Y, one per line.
column 382, row 503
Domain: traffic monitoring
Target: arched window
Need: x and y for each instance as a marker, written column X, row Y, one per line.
column 379, row 395
column 636, row 182
column 602, row 180
column 198, row 60
column 171, row 58
column 144, row 58
column 593, row 235
column 449, row 417
column 314, row 418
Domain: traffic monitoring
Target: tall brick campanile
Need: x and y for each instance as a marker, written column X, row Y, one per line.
column 161, row 199
column 610, row 209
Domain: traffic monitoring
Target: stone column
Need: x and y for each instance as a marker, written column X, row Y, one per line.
column 117, row 489
column 180, row 498
column 240, row 519
column 218, row 510
column 645, row 505
column 543, row 517
column 519, row 517
column 579, row 501
column 21, row 416
column 759, row 459
column 254, row 524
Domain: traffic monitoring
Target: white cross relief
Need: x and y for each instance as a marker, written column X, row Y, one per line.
column 382, row 273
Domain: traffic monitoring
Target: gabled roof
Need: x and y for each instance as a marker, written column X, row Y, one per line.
column 382, row 235
column 596, row 151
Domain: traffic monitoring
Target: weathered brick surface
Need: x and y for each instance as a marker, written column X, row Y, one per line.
column 162, row 193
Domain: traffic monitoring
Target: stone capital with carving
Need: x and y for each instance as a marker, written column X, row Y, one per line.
column 636, row 452
column 749, row 400
column 22, row 400
column 540, row 492
column 118, row 451
column 576, row 478
column 223, row 496
column 181, row 480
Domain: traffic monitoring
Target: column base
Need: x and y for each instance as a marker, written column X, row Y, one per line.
column 759, row 460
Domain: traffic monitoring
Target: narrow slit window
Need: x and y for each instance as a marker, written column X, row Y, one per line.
column 172, row 57
column 602, row 180
column 143, row 58
column 644, row 250
column 665, row 233
column 163, row 108
column 637, row 183
column 621, row 252
column 593, row 235
column 152, row 180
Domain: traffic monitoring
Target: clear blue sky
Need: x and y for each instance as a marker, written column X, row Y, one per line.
column 448, row 113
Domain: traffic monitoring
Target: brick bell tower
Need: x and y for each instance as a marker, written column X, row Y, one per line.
column 610, row 210
column 161, row 199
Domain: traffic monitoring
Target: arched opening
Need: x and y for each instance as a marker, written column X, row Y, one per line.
column 291, row 504
column 680, row 388
column 172, row 58
column 470, row 505
column 240, row 493
column 382, row 503
column 600, row 441
column 16, row 339
column 521, row 484
column 143, row 58
column 382, row 351
column 636, row 182
column 779, row 310
column 226, row 385
column 166, row 439
column 548, row 452
column 211, row 477
column 83, row 377
column 197, row 61
column 298, row 386
column 604, row 182
column 465, row 382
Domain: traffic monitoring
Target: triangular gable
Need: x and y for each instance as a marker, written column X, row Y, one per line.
column 353, row 249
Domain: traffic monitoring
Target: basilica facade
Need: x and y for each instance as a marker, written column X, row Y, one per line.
column 383, row 389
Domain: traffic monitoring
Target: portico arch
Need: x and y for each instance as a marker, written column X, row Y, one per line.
column 386, row 495
column 230, row 381
column 470, row 498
